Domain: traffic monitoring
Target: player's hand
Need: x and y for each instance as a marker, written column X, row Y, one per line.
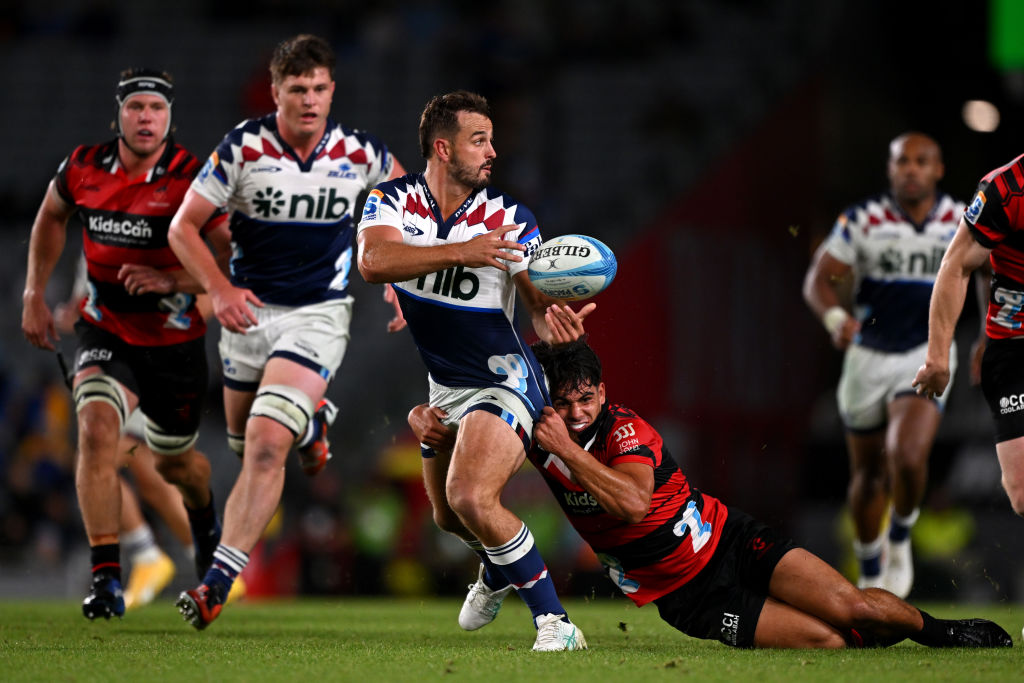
column 565, row 324
column 846, row 333
column 977, row 353
column 37, row 324
column 425, row 422
column 232, row 306
column 931, row 379
column 397, row 323
column 140, row 279
column 551, row 433
column 491, row 249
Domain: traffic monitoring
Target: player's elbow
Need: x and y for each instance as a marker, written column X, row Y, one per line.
column 371, row 273
column 635, row 510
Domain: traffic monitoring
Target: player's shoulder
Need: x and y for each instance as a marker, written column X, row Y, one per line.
column 100, row 155
column 361, row 136
column 1014, row 169
column 262, row 126
column 396, row 188
column 178, row 161
column 494, row 196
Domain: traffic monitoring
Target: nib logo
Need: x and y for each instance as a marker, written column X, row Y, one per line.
column 268, row 202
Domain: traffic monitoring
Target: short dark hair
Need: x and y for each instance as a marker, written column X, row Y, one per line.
column 441, row 116
column 300, row 55
column 568, row 367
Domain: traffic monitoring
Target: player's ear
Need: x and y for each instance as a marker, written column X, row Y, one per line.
column 273, row 93
column 442, row 149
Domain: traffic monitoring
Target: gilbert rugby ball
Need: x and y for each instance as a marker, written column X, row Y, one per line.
column 572, row 267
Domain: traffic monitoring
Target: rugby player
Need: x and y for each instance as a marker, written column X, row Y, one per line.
column 454, row 249
column 140, row 335
column 290, row 180
column 712, row 570
column 887, row 248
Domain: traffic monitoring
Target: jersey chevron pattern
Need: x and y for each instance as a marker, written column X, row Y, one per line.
column 125, row 221
column 463, row 319
column 291, row 219
column 681, row 530
column 996, row 219
column 895, row 263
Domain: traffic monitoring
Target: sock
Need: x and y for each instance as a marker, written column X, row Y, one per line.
column 899, row 527
column 933, row 633
column 140, row 545
column 228, row 563
column 313, row 428
column 204, row 524
column 869, row 555
column 106, row 560
column 520, row 561
column 493, row 577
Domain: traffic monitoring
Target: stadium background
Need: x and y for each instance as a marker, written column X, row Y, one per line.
column 710, row 143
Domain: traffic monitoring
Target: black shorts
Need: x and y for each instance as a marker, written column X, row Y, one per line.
column 724, row 601
column 170, row 381
column 1002, row 382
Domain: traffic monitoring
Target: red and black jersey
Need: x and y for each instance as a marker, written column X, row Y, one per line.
column 996, row 220
column 674, row 540
column 125, row 220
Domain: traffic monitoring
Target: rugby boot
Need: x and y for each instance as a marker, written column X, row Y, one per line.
column 105, row 599
column 555, row 635
column 200, row 606
column 481, row 604
column 315, row 454
column 147, row 579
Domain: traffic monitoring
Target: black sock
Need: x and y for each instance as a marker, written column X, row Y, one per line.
column 203, row 517
column 933, row 633
column 106, row 560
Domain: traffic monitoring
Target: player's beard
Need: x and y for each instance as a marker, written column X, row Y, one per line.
column 470, row 176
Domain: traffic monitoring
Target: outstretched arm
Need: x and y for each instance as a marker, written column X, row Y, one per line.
column 553, row 320
column 44, row 249
column 963, row 256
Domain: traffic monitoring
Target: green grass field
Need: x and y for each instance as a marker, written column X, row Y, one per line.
column 370, row 640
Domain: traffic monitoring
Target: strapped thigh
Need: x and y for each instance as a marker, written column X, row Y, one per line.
column 285, row 405
column 103, row 388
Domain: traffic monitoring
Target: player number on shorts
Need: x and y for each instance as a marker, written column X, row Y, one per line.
column 513, row 368
column 177, row 306
column 1010, row 302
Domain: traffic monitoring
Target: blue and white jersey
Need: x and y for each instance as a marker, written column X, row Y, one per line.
column 462, row 319
column 291, row 220
column 894, row 263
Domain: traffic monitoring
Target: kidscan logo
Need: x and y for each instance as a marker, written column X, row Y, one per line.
column 127, row 228
column 1011, row 404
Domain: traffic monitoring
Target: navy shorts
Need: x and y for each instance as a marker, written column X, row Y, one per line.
column 1002, row 382
column 170, row 381
column 724, row 601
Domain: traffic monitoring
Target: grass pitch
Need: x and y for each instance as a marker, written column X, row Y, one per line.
column 369, row 640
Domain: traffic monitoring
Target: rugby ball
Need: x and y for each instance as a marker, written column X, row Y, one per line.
column 572, row 267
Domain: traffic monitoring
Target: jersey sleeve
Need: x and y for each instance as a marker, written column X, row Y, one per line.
column 218, row 176
column 841, row 242
column 987, row 216
column 61, row 181
column 529, row 237
column 381, row 163
column 631, row 439
column 380, row 208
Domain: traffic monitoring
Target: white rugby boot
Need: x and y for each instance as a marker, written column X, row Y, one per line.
column 481, row 604
column 899, row 570
column 555, row 635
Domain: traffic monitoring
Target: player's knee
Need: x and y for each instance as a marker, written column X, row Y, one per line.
column 859, row 610
column 94, row 398
column 471, row 503
column 285, row 405
column 447, row 520
column 163, row 442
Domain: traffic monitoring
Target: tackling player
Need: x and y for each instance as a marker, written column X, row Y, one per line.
column 713, row 571
column 890, row 246
column 290, row 180
column 140, row 336
column 454, row 248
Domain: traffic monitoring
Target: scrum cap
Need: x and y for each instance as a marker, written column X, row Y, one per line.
column 143, row 81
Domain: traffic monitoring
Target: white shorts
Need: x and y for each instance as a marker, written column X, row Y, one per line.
column 315, row 336
column 458, row 401
column 872, row 379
